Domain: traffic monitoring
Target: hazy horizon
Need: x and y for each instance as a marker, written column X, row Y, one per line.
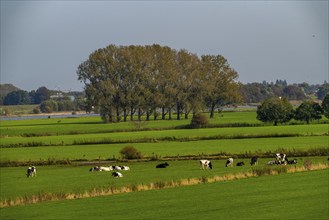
column 43, row 42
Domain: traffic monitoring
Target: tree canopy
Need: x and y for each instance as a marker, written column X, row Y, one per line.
column 308, row 111
column 276, row 110
column 325, row 106
column 145, row 80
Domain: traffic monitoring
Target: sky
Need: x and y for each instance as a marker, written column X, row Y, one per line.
column 44, row 42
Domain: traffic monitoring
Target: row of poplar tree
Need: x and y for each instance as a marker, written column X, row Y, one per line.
column 124, row 81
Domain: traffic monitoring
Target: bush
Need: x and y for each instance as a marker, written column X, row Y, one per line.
column 130, row 152
column 49, row 106
column 199, row 121
column 36, row 110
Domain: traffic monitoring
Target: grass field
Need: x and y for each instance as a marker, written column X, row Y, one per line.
column 85, row 125
column 55, row 126
column 162, row 149
column 288, row 196
column 84, row 140
column 73, row 179
column 19, row 109
column 192, row 134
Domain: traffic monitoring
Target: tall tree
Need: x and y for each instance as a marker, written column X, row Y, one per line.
column 220, row 82
column 42, row 94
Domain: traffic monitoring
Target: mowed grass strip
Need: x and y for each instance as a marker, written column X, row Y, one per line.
column 289, row 196
column 165, row 135
column 163, row 149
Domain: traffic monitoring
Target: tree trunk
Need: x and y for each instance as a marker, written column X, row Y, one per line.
column 178, row 111
column 131, row 113
column 139, row 114
column 118, row 114
column 163, row 113
column 155, row 114
column 125, row 114
column 212, row 110
column 147, row 115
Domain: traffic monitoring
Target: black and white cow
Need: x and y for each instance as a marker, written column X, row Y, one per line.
column 240, row 164
column 117, row 174
column 98, row 168
column 31, row 171
column 294, row 161
column 280, row 159
column 205, row 164
column 162, row 165
column 229, row 162
column 271, row 162
column 254, row 161
column 124, row 168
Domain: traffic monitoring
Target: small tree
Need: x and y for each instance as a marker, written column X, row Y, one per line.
column 308, row 111
column 130, row 152
column 199, row 121
column 49, row 106
column 325, row 106
column 275, row 110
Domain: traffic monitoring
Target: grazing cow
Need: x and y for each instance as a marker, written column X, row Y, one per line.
column 124, row 168
column 98, row 168
column 117, row 174
column 240, row 164
column 105, row 168
column 280, row 159
column 31, row 171
column 205, row 164
column 162, row 165
column 229, row 162
column 94, row 169
column 272, row 162
column 294, row 161
column 254, row 161
column 116, row 167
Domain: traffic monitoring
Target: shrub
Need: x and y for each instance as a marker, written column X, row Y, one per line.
column 7, row 111
column 36, row 110
column 130, row 152
column 199, row 121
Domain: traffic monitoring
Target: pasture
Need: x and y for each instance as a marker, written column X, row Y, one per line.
column 289, row 196
column 85, row 125
column 86, row 142
column 162, row 149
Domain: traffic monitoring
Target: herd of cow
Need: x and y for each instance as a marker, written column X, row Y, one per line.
column 281, row 159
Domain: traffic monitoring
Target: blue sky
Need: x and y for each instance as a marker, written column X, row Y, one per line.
column 43, row 42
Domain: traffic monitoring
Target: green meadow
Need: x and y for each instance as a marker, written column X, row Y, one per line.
column 85, row 142
column 163, row 149
column 289, row 196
